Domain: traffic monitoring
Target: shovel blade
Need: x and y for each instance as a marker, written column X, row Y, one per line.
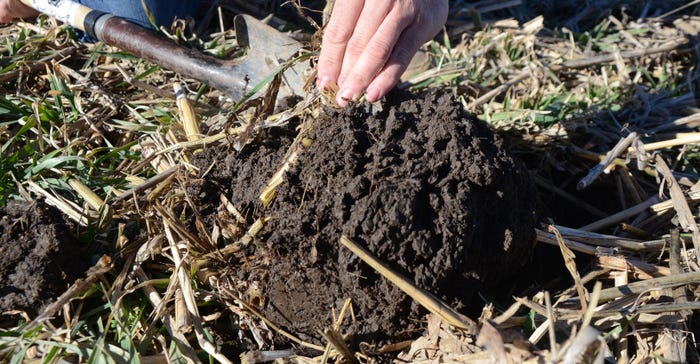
column 267, row 49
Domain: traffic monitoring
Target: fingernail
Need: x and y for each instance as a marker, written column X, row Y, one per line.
column 372, row 94
column 344, row 97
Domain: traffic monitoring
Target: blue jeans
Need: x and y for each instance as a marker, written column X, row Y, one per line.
column 164, row 12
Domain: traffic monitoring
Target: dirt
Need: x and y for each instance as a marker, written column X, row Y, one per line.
column 39, row 256
column 426, row 187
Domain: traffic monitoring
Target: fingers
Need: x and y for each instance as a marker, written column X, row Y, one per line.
column 371, row 55
column 338, row 32
column 6, row 13
column 367, row 45
column 366, row 28
column 13, row 9
column 401, row 56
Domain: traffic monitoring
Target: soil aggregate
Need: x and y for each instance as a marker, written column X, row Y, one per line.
column 427, row 188
column 39, row 256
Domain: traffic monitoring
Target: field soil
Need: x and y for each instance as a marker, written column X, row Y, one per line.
column 427, row 188
column 39, row 256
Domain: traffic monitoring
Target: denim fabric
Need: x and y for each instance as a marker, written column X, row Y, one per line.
column 163, row 11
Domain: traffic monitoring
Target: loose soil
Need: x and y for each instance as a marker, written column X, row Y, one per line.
column 39, row 257
column 426, row 187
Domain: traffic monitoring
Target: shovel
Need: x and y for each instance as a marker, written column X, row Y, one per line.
column 267, row 49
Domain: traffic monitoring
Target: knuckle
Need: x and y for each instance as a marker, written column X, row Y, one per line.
column 337, row 34
column 379, row 49
column 328, row 62
column 402, row 55
column 356, row 45
column 407, row 12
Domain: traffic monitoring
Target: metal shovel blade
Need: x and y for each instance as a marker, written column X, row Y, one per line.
column 267, row 50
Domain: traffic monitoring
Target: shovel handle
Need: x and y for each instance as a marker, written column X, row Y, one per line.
column 71, row 12
column 66, row 11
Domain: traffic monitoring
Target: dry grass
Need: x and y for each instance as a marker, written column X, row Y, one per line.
column 593, row 99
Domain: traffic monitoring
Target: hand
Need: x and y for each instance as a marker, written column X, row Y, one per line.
column 14, row 9
column 367, row 45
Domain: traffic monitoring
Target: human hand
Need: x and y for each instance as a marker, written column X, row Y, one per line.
column 367, row 45
column 14, row 9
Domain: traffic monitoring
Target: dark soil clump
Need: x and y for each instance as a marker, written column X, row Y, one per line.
column 39, row 257
column 427, row 188
column 240, row 176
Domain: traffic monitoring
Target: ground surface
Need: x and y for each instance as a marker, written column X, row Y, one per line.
column 424, row 186
column 87, row 123
column 39, row 256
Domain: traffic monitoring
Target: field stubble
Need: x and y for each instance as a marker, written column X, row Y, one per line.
column 598, row 104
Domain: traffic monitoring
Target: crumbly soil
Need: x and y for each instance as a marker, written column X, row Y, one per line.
column 39, row 257
column 427, row 188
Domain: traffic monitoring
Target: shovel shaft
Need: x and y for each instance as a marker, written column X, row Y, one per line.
column 145, row 44
column 149, row 45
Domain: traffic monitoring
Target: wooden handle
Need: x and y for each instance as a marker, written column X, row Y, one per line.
column 66, row 11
